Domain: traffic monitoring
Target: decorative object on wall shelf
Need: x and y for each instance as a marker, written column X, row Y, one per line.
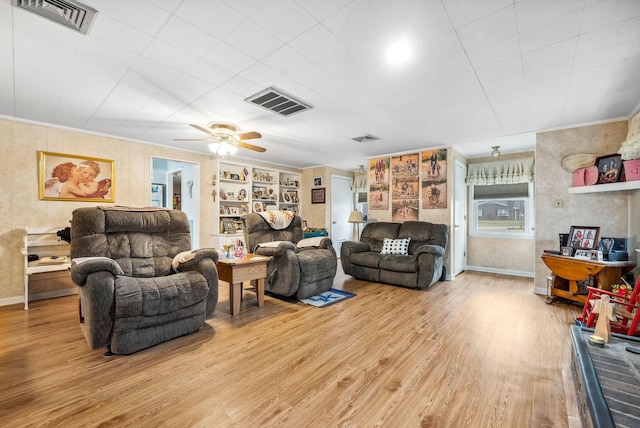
column 585, row 176
column 578, row 160
column 609, row 168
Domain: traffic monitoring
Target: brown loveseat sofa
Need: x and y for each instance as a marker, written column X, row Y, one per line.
column 422, row 266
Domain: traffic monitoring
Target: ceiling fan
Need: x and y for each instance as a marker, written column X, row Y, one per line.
column 225, row 138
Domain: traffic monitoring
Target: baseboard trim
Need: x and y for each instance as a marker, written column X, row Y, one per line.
column 501, row 271
column 39, row 296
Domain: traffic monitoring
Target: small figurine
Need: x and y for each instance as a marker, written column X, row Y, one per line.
column 213, row 195
column 606, row 313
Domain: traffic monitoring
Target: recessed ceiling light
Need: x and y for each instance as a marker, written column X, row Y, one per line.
column 398, row 52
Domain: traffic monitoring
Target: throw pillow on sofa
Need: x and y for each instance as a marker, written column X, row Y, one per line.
column 395, row 246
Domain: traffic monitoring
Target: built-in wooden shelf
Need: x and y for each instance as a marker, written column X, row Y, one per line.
column 609, row 187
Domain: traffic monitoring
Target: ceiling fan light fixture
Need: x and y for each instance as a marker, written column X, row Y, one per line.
column 223, row 148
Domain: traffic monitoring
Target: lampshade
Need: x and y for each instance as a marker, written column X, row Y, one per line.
column 355, row 217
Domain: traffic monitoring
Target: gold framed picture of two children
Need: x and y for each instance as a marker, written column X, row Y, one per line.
column 63, row 177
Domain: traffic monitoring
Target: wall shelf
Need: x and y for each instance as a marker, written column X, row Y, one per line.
column 609, row 187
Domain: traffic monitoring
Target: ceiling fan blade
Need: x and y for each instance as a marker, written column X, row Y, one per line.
column 249, row 146
column 249, row 135
column 202, row 128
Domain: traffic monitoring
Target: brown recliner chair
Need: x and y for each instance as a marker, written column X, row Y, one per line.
column 301, row 270
column 131, row 297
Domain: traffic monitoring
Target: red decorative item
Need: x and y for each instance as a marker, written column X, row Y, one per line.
column 591, row 175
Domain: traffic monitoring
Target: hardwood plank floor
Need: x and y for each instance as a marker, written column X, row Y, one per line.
column 479, row 351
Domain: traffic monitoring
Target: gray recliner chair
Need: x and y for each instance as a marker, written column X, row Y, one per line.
column 131, row 297
column 301, row 270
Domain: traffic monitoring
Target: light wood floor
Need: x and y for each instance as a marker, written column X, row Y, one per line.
column 479, row 351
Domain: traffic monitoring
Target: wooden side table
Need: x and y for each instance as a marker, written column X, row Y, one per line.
column 236, row 271
column 567, row 271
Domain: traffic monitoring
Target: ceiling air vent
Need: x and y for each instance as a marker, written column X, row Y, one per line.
column 69, row 13
column 365, row 138
column 278, row 101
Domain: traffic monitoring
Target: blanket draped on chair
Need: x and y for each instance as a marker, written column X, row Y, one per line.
column 278, row 220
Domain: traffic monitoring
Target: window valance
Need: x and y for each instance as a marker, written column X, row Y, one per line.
column 359, row 182
column 512, row 171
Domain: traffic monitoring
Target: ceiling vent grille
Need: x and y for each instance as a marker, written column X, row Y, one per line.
column 279, row 102
column 70, row 13
column 365, row 138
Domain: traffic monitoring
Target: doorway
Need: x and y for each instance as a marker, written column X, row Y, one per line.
column 175, row 184
column 342, row 203
column 460, row 220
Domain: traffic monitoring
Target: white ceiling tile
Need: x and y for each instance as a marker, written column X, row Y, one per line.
column 493, row 52
column 497, row 26
column 318, row 44
column 605, row 13
column 558, row 69
column 168, row 5
column 166, row 54
column 552, row 32
column 161, row 73
column 143, row 15
column 605, row 56
column 324, row 9
column 193, row 85
column 549, row 54
column 609, row 36
column 253, row 40
column 533, row 13
column 246, row 7
column 119, row 34
column 287, row 61
column 228, row 58
column 464, row 12
column 212, row 16
column 361, row 39
column 184, row 36
column 502, row 76
column 285, row 19
column 208, row 72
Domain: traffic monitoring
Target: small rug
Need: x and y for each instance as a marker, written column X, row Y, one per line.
column 327, row 298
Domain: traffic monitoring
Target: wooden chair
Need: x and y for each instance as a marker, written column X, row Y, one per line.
column 627, row 310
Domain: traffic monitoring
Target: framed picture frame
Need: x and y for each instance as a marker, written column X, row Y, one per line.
column 293, row 195
column 157, row 195
column 584, row 237
column 227, row 225
column 259, row 192
column 609, row 168
column 317, row 181
column 317, row 196
column 567, row 251
column 304, row 224
column 63, row 177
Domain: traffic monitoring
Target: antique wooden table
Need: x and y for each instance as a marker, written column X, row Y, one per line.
column 567, row 271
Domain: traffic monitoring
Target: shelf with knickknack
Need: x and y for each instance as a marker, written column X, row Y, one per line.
column 239, row 188
column 289, row 192
column 264, row 190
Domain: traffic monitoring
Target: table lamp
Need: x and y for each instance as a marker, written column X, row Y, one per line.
column 355, row 217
